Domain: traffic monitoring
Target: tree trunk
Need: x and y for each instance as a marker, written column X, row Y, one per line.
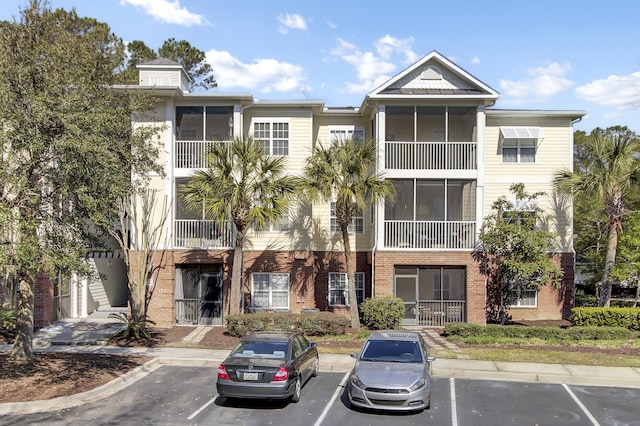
column 612, row 246
column 351, row 282
column 236, row 289
column 23, row 345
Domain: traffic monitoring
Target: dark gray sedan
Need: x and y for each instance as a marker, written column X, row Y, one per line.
column 392, row 372
column 268, row 365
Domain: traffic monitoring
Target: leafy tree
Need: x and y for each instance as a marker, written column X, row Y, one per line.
column 68, row 147
column 191, row 58
column 609, row 172
column 346, row 173
column 144, row 219
column 514, row 250
column 244, row 186
column 627, row 266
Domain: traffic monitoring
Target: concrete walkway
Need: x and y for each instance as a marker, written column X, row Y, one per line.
column 67, row 337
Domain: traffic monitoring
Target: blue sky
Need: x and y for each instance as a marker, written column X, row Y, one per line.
column 557, row 55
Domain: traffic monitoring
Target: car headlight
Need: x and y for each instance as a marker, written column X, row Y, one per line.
column 417, row 385
column 355, row 381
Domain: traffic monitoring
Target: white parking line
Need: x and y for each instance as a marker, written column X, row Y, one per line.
column 454, row 409
column 581, row 405
column 199, row 410
column 339, row 389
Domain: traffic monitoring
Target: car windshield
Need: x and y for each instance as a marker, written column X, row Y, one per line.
column 391, row 351
column 251, row 349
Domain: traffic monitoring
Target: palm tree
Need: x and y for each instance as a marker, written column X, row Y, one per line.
column 611, row 170
column 345, row 172
column 242, row 185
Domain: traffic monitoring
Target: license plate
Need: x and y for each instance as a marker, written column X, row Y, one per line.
column 250, row 376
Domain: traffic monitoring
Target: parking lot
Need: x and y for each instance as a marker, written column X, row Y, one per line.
column 173, row 395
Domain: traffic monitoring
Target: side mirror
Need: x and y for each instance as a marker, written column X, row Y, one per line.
column 313, row 344
column 353, row 355
column 431, row 358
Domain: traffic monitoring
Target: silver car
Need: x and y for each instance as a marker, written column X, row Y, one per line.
column 392, row 372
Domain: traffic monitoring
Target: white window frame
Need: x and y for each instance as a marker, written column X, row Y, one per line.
column 357, row 222
column 270, row 280
column 342, row 133
column 339, row 283
column 281, row 225
column 269, row 137
column 519, row 302
column 519, row 146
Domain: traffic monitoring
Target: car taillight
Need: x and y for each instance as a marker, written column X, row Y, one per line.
column 222, row 373
column 281, row 375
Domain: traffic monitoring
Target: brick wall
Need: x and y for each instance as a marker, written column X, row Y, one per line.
column 309, row 274
column 43, row 302
column 385, row 262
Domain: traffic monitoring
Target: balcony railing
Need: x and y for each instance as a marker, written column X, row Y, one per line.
column 192, row 154
column 436, row 313
column 193, row 233
column 430, row 155
column 429, row 234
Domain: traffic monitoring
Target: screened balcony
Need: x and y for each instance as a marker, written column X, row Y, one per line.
column 431, row 214
column 429, row 234
column 198, row 128
column 430, row 138
column 194, row 233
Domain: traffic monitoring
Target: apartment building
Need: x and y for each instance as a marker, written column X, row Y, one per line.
column 450, row 154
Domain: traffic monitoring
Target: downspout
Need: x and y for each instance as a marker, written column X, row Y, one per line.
column 573, row 251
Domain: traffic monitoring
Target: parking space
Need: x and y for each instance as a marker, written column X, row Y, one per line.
column 186, row 395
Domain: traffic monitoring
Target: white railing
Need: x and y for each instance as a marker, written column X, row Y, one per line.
column 430, row 155
column 193, row 233
column 192, row 154
column 436, row 313
column 429, row 234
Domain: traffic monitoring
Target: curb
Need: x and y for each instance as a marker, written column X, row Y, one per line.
column 63, row 402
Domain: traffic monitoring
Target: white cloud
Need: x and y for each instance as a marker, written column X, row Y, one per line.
column 374, row 68
column 543, row 82
column 263, row 75
column 332, row 25
column 387, row 45
column 291, row 22
column 622, row 92
column 167, row 11
column 475, row 60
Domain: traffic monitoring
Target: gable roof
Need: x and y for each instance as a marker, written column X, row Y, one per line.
column 434, row 76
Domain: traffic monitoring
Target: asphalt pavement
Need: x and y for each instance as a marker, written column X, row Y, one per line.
column 91, row 337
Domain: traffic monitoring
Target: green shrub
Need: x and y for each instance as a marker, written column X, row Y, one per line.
column 606, row 317
column 314, row 324
column 8, row 318
column 381, row 313
column 473, row 332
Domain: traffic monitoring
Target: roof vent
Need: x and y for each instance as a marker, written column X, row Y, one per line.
column 431, row 73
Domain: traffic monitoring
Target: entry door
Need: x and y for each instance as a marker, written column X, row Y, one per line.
column 210, row 298
column 406, row 290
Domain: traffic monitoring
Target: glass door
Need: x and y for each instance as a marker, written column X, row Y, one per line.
column 210, row 298
column 405, row 288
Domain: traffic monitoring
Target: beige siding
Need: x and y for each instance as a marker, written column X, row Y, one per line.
column 553, row 153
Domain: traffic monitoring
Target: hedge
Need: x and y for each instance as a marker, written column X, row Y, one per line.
column 382, row 313
column 313, row 324
column 546, row 333
column 609, row 317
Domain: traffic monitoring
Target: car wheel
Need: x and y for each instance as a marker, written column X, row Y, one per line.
column 316, row 368
column 297, row 390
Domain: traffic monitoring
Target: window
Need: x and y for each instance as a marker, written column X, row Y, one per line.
column 280, row 225
column 519, row 151
column 343, row 133
column 274, row 136
column 357, row 223
column 270, row 290
column 339, row 290
column 528, row 298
